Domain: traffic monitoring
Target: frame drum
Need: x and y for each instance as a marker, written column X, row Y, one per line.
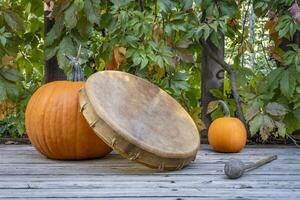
column 139, row 120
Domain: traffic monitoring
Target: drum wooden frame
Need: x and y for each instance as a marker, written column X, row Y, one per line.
column 127, row 148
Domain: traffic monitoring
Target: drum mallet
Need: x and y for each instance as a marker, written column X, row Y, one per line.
column 235, row 168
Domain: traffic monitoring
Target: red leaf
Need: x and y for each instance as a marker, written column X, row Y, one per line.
column 118, row 59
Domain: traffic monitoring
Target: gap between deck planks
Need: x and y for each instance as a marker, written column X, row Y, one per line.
column 24, row 173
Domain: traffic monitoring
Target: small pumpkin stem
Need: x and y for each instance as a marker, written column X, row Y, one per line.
column 225, row 108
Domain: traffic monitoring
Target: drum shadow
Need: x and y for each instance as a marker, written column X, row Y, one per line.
column 123, row 166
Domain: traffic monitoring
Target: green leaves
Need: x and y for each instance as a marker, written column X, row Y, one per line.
column 51, row 52
column 281, row 129
column 291, row 122
column 155, row 54
column 276, row 109
column 8, row 85
column 287, row 26
column 164, row 5
column 273, row 79
column 71, row 14
column 162, row 46
column 228, row 8
column 21, row 44
column 4, row 36
column 55, row 32
column 11, row 74
column 260, row 7
column 187, row 4
column 212, row 106
column 74, row 24
column 10, row 78
column 267, row 126
column 267, row 120
column 66, row 47
column 139, row 58
column 279, row 96
column 92, row 11
column 255, row 124
column 286, row 80
column 292, row 57
column 252, row 111
column 13, row 20
column 287, row 83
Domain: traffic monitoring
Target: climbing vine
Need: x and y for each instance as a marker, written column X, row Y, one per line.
column 162, row 41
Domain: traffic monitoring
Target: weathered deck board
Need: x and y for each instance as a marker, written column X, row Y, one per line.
column 25, row 174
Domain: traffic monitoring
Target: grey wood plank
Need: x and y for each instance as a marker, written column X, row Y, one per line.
column 141, row 178
column 156, row 198
column 113, row 185
column 149, row 192
column 134, row 168
column 122, row 171
column 201, row 157
column 24, row 173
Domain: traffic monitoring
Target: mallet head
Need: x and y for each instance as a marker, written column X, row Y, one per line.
column 234, row 168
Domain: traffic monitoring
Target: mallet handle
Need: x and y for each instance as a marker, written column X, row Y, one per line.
column 261, row 162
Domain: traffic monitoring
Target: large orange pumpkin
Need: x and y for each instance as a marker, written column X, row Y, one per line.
column 56, row 127
column 227, row 134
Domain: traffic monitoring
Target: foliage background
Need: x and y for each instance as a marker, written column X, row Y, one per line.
column 22, row 60
column 159, row 40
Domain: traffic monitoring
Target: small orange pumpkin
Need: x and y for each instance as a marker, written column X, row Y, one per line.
column 55, row 125
column 227, row 134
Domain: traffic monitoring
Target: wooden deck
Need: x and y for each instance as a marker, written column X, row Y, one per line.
column 25, row 174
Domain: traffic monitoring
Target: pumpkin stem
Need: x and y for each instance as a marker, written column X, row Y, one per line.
column 225, row 108
column 77, row 72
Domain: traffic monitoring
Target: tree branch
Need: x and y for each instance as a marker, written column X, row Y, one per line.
column 243, row 30
column 232, row 76
column 141, row 5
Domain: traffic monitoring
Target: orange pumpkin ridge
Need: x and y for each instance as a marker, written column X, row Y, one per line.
column 55, row 126
column 227, row 134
